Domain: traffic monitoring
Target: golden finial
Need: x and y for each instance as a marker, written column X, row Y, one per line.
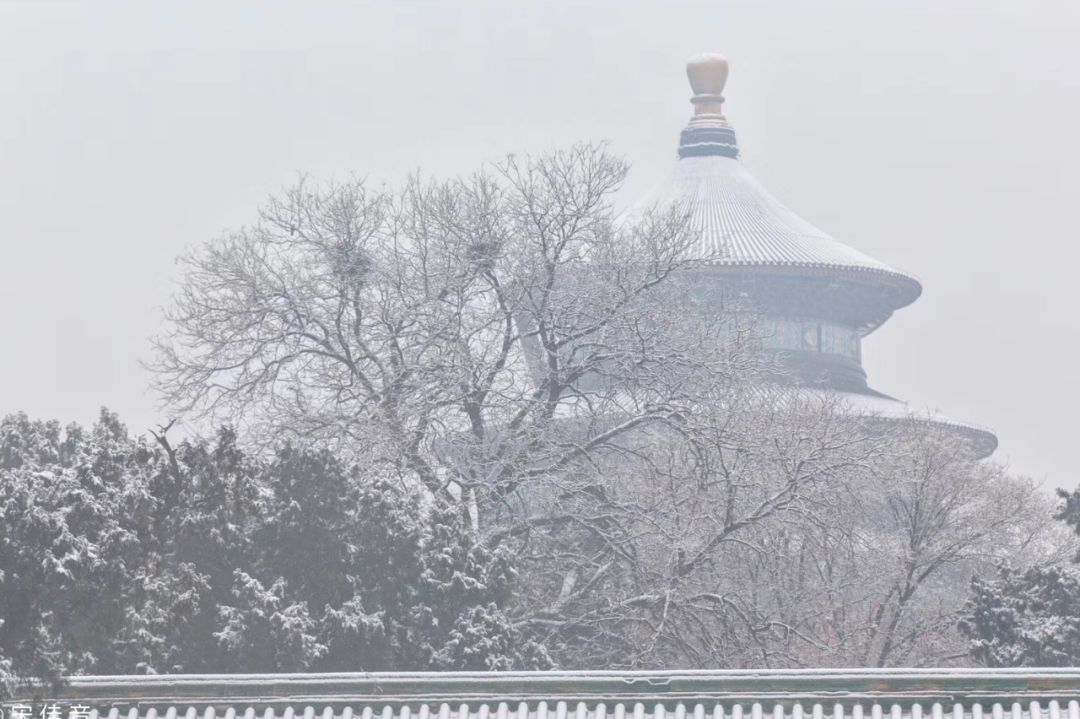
column 708, row 74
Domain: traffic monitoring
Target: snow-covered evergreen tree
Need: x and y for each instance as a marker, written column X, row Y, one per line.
column 1029, row 618
column 122, row 554
column 1032, row 617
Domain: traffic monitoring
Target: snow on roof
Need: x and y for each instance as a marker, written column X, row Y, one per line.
column 703, row 57
column 742, row 225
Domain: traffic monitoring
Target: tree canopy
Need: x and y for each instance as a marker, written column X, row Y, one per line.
column 130, row 555
column 1028, row 616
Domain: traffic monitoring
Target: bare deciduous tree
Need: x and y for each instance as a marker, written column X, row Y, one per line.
column 778, row 532
column 463, row 334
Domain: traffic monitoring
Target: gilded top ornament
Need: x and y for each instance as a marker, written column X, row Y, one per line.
column 708, row 74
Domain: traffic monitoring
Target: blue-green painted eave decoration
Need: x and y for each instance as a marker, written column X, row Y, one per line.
column 706, row 141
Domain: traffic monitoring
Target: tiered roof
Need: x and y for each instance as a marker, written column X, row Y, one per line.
column 746, row 234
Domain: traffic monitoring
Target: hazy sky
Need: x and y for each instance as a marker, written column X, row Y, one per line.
column 939, row 136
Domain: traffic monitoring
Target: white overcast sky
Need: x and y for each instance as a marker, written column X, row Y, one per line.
column 939, row 136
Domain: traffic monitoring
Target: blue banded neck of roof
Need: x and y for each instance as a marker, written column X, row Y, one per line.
column 708, row 140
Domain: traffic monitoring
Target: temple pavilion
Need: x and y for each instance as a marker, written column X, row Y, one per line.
column 815, row 298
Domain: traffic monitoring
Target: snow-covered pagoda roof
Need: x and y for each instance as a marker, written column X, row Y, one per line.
column 741, row 224
column 791, row 270
column 800, row 694
column 983, row 440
